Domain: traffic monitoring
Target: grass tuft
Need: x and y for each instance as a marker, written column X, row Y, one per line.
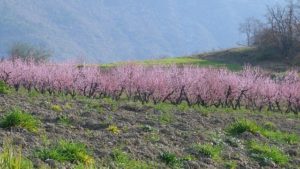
column 170, row 159
column 56, row 108
column 242, row 126
column 208, row 150
column 18, row 118
column 265, row 153
column 268, row 131
column 231, row 165
column 123, row 160
column 64, row 120
column 4, row 89
column 113, row 129
column 11, row 158
column 64, row 150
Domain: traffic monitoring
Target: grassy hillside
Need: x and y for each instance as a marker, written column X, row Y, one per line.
column 180, row 61
column 233, row 59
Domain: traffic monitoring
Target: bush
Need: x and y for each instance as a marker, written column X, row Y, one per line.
column 18, row 118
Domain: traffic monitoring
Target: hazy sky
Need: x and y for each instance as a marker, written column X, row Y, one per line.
column 111, row 30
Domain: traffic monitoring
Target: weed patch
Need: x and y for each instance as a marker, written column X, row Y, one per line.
column 18, row 118
column 231, row 165
column 70, row 151
column 113, row 129
column 265, row 153
column 64, row 120
column 4, row 89
column 242, row 126
column 56, row 108
column 123, row 160
column 208, row 150
column 269, row 132
column 12, row 158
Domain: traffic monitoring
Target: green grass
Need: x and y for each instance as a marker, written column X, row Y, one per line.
column 166, row 117
column 264, row 153
column 170, row 159
column 113, row 129
column 208, row 150
column 233, row 59
column 4, row 89
column 64, row 150
column 12, row 158
column 113, row 104
column 153, row 136
column 123, row 160
column 164, row 107
column 179, row 61
column 147, row 128
column 166, row 112
column 231, row 165
column 242, row 126
column 18, row 118
column 56, row 108
column 290, row 138
column 64, row 120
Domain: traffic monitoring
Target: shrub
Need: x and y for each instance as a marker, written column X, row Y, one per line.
column 264, row 153
column 18, row 118
column 64, row 150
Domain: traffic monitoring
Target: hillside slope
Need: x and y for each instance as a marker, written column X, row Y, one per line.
column 130, row 135
column 232, row 58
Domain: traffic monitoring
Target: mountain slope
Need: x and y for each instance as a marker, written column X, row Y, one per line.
column 107, row 30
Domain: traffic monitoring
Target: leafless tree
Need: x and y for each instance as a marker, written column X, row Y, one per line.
column 251, row 27
column 282, row 21
column 281, row 31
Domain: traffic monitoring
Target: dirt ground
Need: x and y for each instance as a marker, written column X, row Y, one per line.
column 144, row 131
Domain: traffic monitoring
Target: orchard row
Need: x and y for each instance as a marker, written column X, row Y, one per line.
column 250, row 88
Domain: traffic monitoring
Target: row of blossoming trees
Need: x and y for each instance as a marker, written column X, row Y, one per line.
column 250, row 88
